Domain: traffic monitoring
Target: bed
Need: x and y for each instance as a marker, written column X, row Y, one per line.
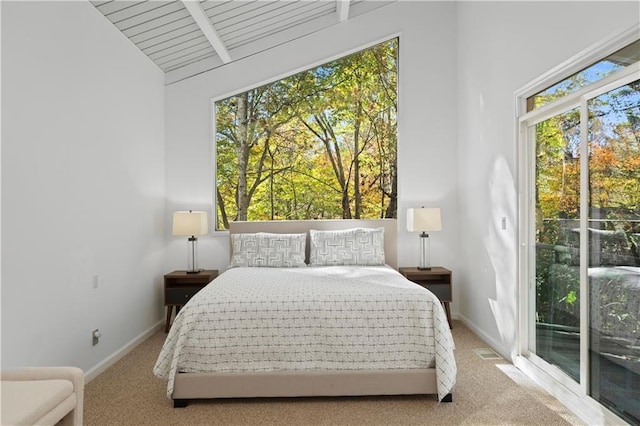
column 279, row 328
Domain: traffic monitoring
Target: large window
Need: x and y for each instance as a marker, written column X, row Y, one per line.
column 318, row 144
column 592, row 73
column 582, row 259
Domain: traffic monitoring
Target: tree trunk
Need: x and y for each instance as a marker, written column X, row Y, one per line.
column 271, row 199
column 356, row 161
column 330, row 141
column 392, row 207
column 222, row 209
column 242, row 153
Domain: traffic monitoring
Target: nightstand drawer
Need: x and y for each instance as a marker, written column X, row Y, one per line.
column 435, row 279
column 180, row 296
column 180, row 286
column 443, row 291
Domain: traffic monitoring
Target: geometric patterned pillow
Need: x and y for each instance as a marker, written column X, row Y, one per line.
column 268, row 250
column 356, row 246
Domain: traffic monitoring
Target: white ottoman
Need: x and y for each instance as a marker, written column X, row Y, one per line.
column 42, row 396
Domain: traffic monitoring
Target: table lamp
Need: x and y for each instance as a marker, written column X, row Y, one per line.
column 424, row 220
column 190, row 224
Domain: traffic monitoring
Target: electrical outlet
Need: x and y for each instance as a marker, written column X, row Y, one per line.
column 95, row 336
column 504, row 222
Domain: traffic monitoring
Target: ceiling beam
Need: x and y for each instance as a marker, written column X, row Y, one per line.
column 203, row 21
column 342, row 8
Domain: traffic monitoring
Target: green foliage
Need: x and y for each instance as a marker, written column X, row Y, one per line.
column 319, row 144
column 614, row 198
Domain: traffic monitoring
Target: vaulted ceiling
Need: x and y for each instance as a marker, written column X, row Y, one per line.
column 188, row 37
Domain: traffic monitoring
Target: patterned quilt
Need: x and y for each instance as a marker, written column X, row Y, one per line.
column 311, row 318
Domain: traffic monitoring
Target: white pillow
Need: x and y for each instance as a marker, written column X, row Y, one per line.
column 356, row 246
column 268, row 250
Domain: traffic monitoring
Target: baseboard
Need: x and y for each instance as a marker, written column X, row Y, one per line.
column 494, row 344
column 115, row 357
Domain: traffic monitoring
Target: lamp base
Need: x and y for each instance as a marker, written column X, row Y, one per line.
column 192, row 256
column 424, row 264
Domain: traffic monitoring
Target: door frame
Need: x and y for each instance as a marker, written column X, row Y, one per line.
column 574, row 395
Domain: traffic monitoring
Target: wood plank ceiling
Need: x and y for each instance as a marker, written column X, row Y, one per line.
column 185, row 38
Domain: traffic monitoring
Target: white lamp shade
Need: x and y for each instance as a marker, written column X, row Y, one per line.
column 424, row 220
column 190, row 223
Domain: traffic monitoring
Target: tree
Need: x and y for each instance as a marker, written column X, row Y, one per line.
column 318, row 144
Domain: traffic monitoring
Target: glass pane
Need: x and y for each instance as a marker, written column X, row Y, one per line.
column 614, row 257
column 557, row 180
column 612, row 63
column 320, row 144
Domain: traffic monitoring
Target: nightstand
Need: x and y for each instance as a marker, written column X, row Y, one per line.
column 179, row 287
column 437, row 280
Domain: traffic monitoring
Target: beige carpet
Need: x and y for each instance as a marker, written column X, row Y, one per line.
column 487, row 392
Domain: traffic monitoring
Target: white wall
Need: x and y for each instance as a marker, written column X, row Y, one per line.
column 501, row 47
column 87, row 168
column 426, row 125
column 82, row 186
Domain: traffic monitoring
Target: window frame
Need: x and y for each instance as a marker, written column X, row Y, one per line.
column 234, row 92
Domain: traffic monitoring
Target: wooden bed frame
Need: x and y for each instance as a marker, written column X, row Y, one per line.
column 189, row 386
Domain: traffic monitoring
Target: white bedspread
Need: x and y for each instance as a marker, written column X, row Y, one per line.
column 315, row 318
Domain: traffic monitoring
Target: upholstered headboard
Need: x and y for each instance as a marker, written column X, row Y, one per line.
column 299, row 226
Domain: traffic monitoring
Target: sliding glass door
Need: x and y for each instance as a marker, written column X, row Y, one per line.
column 557, row 248
column 613, row 249
column 583, row 192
